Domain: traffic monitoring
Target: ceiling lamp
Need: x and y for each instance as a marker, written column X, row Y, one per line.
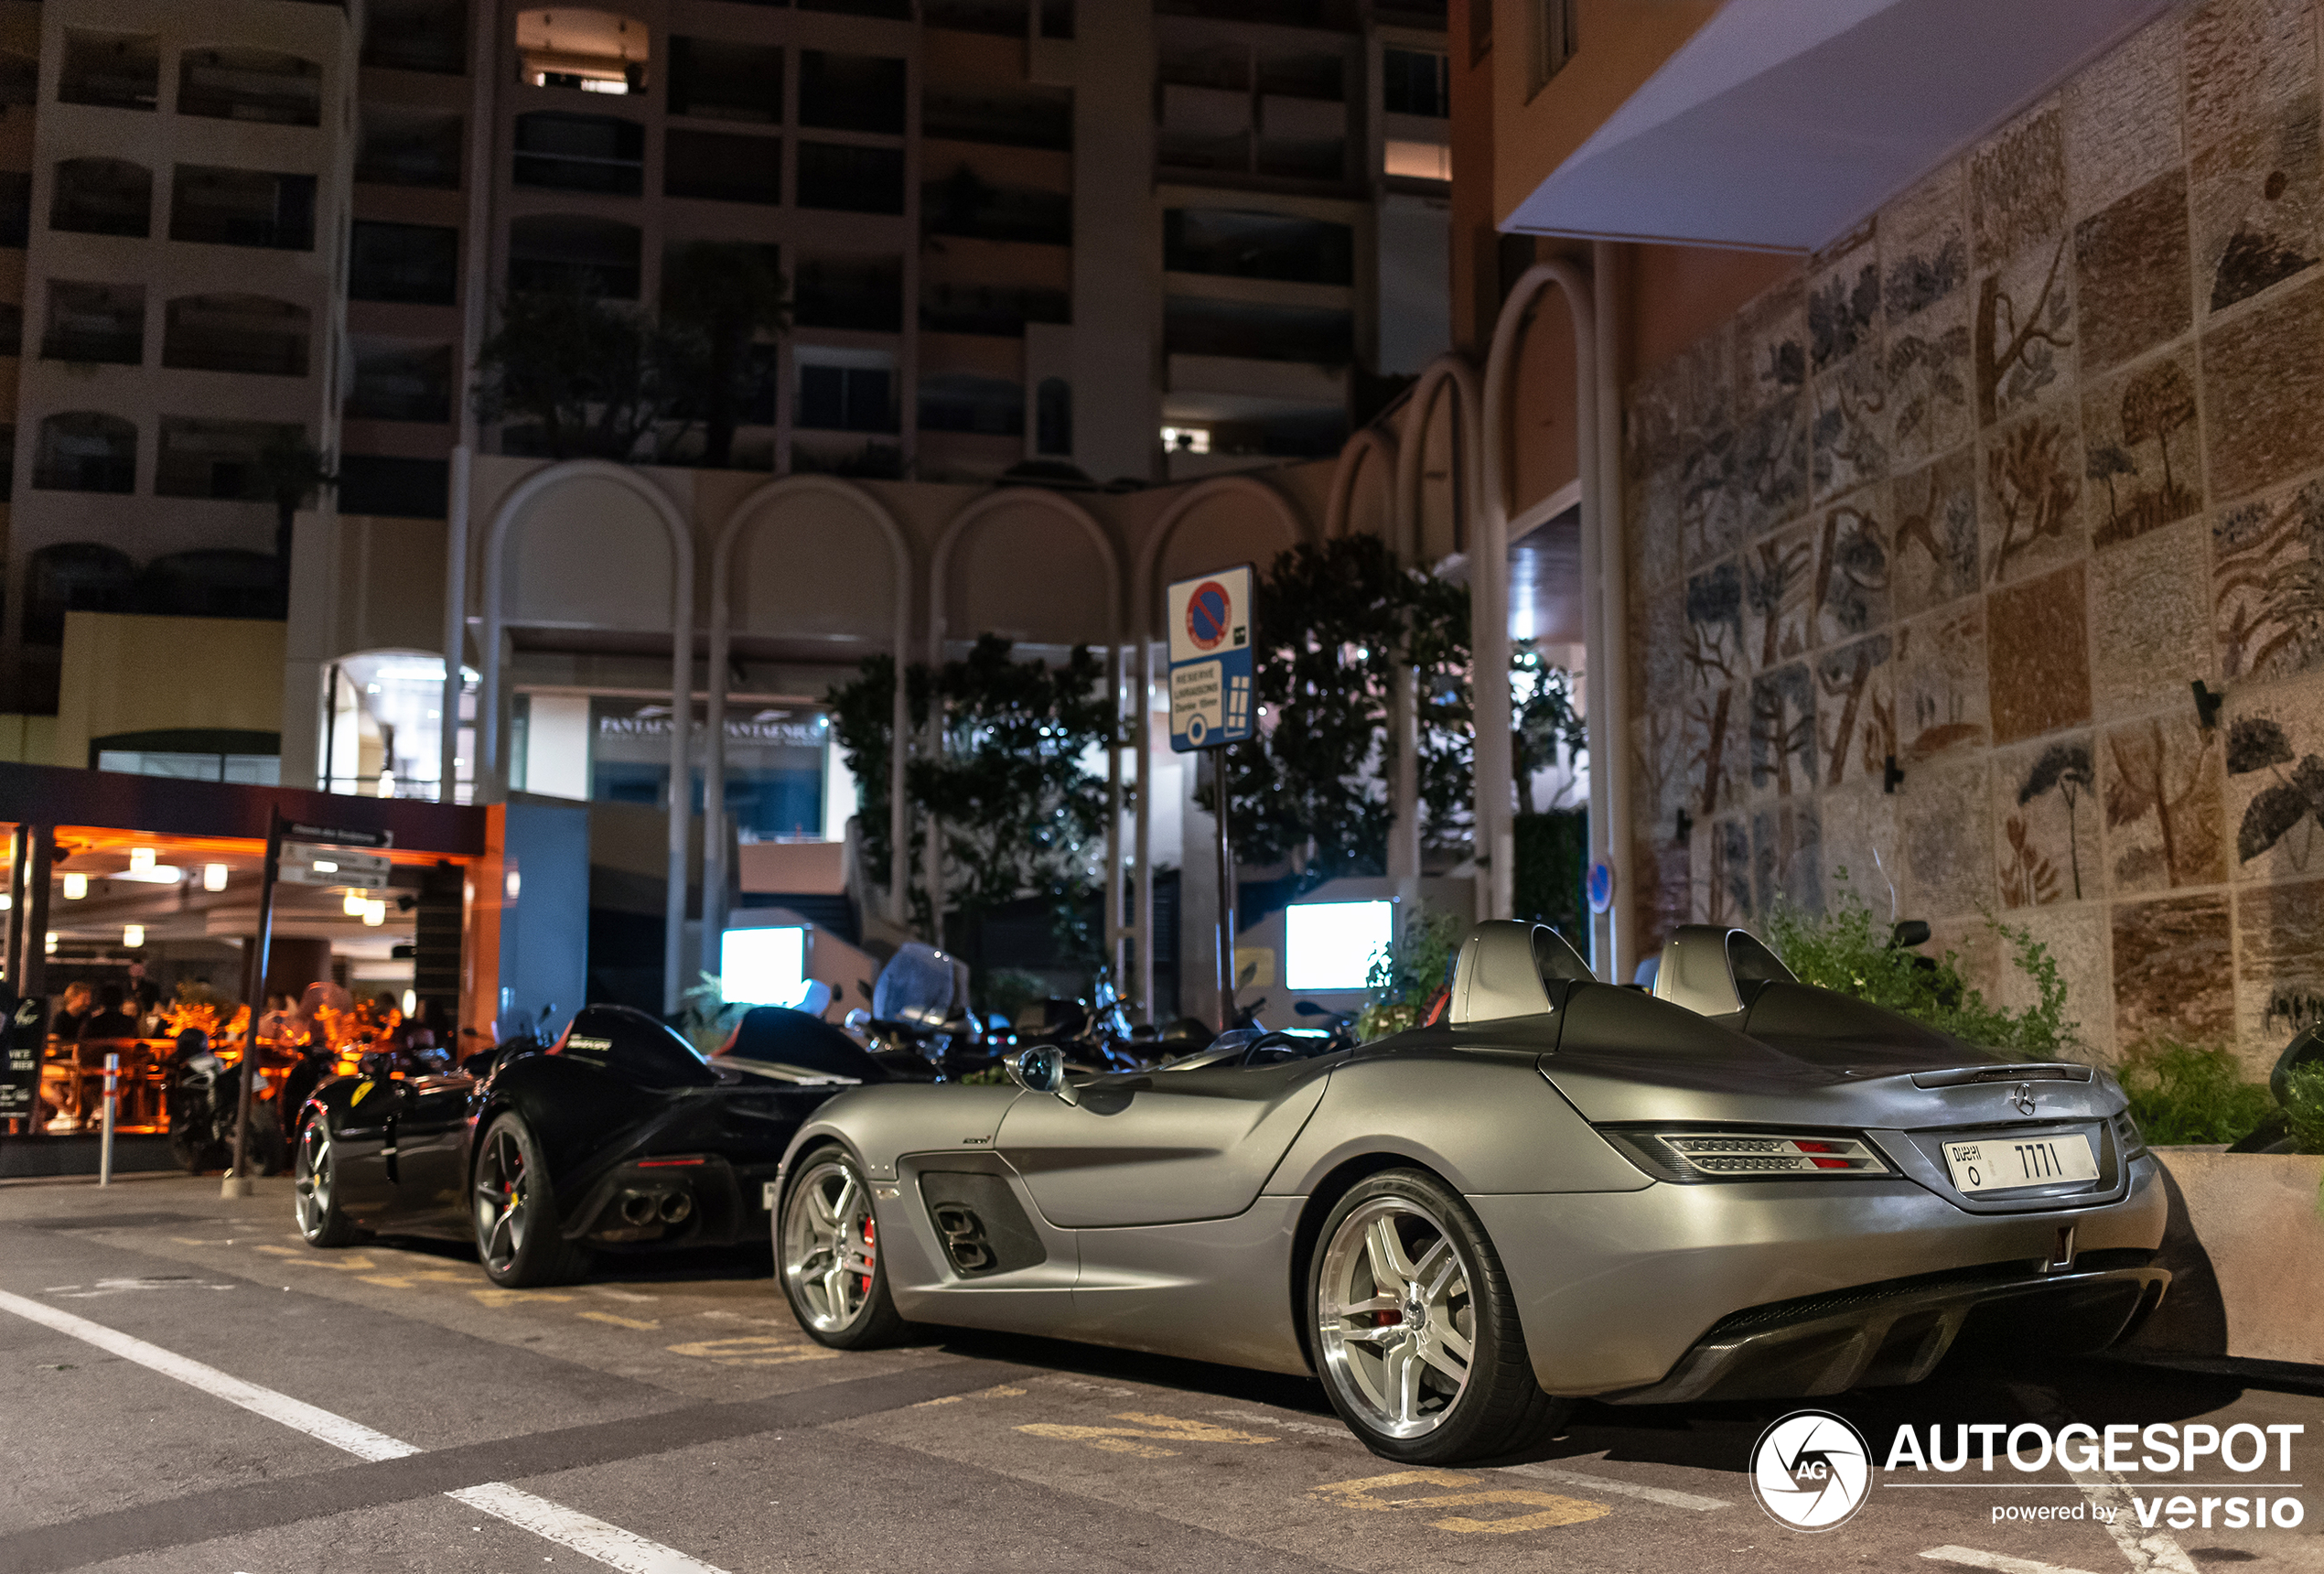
column 356, row 904
column 374, row 913
column 76, row 887
column 141, row 860
column 132, row 935
column 48, row 944
column 213, row 876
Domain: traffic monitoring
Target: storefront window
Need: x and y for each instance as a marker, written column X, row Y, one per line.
column 775, row 761
column 384, row 733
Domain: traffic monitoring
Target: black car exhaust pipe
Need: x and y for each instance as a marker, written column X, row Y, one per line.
column 637, row 1207
column 675, row 1207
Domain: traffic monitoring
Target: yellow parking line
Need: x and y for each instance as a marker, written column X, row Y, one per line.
column 1550, row 1509
column 619, row 1321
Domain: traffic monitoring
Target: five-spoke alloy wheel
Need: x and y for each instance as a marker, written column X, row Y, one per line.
column 314, row 1191
column 1415, row 1332
column 827, row 1242
column 514, row 1207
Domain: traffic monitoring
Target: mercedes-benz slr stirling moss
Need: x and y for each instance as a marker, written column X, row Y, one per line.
column 1735, row 1186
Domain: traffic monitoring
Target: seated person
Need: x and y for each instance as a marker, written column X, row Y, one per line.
column 109, row 1020
column 77, row 998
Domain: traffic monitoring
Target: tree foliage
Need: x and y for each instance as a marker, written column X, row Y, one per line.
column 1022, row 814
column 1335, row 621
column 719, row 296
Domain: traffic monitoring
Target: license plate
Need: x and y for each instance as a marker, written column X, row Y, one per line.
column 2002, row 1164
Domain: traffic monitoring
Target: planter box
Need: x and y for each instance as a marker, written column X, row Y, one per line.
column 2245, row 1247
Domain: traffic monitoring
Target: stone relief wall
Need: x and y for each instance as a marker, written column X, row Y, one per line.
column 1975, row 499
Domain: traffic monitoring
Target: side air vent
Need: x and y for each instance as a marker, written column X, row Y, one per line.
column 977, row 1217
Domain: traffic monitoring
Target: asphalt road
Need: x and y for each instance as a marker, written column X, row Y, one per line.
column 273, row 1408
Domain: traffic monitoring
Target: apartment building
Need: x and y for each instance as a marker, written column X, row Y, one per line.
column 1010, row 232
column 175, row 201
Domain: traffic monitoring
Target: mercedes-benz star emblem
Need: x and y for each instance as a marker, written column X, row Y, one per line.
column 1810, row 1470
column 2023, row 1098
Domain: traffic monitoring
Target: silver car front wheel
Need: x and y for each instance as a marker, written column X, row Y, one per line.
column 1415, row 1332
column 827, row 1243
column 315, row 1189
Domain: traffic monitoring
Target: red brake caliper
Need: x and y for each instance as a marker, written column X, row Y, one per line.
column 869, row 1254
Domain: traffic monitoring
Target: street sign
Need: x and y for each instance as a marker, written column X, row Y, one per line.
column 1600, row 886
column 25, row 1033
column 303, row 863
column 1212, row 637
column 336, row 836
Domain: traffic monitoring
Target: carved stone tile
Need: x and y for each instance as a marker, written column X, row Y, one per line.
column 2268, row 558
column 1924, row 244
column 2130, row 273
column 1933, row 555
column 2149, row 620
column 2279, row 973
column 1772, row 347
column 2142, row 449
column 2018, row 186
column 1771, row 466
column 1856, row 708
column 2174, row 970
column 1843, row 307
column 2122, row 118
column 2031, row 514
column 1782, row 726
column 2164, row 803
column 2023, row 339
column 1948, row 839
column 2258, row 206
column 1853, row 415
column 1715, row 649
column 2273, row 749
column 1929, row 372
column 1778, row 603
column 2263, row 384
column 1786, row 857
column 1943, row 706
column 2045, row 801
column 2244, row 58
column 2038, row 649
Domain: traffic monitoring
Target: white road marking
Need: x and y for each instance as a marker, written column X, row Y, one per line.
column 2149, row 1552
column 2001, row 1563
column 122, row 1286
column 609, row 1543
column 1663, row 1495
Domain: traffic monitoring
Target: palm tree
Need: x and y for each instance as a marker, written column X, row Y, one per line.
column 724, row 294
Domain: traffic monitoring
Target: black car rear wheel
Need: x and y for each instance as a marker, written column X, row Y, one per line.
column 315, row 1189
column 1415, row 1332
column 827, row 1251
column 515, row 1209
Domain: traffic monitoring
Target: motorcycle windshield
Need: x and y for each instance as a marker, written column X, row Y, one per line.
column 916, row 986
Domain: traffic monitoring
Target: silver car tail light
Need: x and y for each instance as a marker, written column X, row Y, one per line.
column 1698, row 1156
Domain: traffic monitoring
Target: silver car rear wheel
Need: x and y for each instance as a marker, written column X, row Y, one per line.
column 1396, row 1320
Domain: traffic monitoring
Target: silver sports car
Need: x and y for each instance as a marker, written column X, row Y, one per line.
column 1736, row 1186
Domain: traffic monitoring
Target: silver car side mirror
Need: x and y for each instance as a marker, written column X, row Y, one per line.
column 1041, row 1069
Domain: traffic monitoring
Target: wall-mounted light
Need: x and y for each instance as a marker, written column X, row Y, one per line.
column 1685, row 825
column 1891, row 775
column 48, row 944
column 374, row 913
column 76, row 887
column 7, row 901
column 411, row 1002
column 512, row 884
column 132, row 935
column 355, row 904
column 213, row 876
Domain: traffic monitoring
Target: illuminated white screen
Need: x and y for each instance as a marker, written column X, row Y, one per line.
column 1330, row 944
column 763, row 967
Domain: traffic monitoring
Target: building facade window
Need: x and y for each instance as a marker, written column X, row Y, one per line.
column 398, row 381
column 85, row 450
column 73, row 576
column 201, row 457
column 235, row 333
column 112, row 70
column 94, row 322
column 11, row 328
column 851, row 179
column 864, row 294
column 597, row 51
column 964, row 402
column 1554, row 39
column 721, row 166
column 1240, row 243
column 416, row 264
column 1415, row 82
column 557, row 250
column 1001, row 119
column 222, row 207
column 16, row 210
column 556, row 151
column 1053, row 416
column 856, row 92
column 102, row 196
column 964, row 203
column 720, row 79
column 409, row 147
column 846, row 393
column 264, row 86
column 19, row 79
column 416, row 35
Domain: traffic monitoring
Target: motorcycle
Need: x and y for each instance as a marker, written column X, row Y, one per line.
column 204, row 1099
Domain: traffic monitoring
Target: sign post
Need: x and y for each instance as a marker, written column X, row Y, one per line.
column 1213, row 663
column 238, row 1182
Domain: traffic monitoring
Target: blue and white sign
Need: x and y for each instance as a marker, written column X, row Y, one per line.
column 1599, row 887
column 1211, row 660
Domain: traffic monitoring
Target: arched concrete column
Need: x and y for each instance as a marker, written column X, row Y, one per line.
column 746, row 514
column 1369, row 445
column 1452, row 374
column 938, row 585
column 1602, row 625
column 1143, row 592
column 490, row 775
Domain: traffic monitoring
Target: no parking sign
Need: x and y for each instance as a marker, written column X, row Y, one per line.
column 1211, row 660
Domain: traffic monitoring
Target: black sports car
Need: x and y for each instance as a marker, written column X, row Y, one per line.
column 619, row 1137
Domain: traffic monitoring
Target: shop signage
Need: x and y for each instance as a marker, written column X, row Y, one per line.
column 306, row 864
column 20, row 1059
column 336, row 836
column 1211, row 660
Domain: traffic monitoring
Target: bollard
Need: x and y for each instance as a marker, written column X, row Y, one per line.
column 105, row 1143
